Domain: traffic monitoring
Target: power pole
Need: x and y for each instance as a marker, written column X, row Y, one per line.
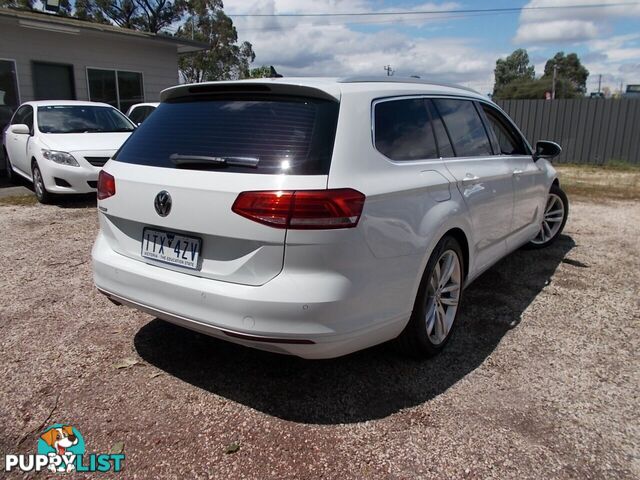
column 599, row 83
column 389, row 70
column 553, row 85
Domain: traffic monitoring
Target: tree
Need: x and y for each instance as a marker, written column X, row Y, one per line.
column 88, row 10
column 27, row 4
column 158, row 14
column 535, row 89
column 260, row 72
column 515, row 78
column 64, row 8
column 147, row 15
column 571, row 69
column 226, row 59
column 123, row 13
column 515, row 67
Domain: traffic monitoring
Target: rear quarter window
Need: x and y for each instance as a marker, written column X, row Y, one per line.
column 286, row 135
column 403, row 130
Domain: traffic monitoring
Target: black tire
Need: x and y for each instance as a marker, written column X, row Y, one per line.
column 415, row 340
column 11, row 176
column 539, row 242
column 39, row 188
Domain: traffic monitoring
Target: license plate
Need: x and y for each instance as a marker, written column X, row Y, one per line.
column 173, row 248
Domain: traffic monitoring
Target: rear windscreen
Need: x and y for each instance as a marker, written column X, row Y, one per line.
column 271, row 135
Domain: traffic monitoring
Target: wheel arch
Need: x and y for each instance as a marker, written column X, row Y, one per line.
column 461, row 238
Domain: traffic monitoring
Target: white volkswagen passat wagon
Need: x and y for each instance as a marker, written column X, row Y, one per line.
column 317, row 217
column 61, row 145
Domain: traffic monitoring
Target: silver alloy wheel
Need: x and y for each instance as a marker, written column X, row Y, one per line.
column 551, row 221
column 38, row 184
column 443, row 295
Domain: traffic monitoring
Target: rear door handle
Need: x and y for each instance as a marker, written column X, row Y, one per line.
column 470, row 179
column 517, row 171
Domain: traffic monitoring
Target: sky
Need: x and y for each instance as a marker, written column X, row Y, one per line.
column 452, row 47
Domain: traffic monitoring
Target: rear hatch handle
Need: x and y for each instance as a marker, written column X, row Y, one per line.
column 250, row 162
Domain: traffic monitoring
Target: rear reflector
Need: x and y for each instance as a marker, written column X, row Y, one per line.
column 106, row 185
column 302, row 209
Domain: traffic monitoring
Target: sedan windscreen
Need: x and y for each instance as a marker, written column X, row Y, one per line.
column 247, row 134
column 81, row 119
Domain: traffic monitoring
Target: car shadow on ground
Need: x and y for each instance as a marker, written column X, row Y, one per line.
column 366, row 385
column 87, row 200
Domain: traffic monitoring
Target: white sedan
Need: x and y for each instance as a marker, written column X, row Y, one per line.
column 61, row 146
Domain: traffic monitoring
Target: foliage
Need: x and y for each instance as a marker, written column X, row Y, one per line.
column 226, row 59
column 148, row 15
column 515, row 78
column 536, row 88
column 64, row 10
column 260, row 72
column 27, row 4
column 205, row 22
column 515, row 67
column 571, row 69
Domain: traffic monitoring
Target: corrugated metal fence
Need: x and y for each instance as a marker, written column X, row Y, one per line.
column 589, row 130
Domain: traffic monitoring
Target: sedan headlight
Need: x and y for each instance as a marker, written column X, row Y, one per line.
column 63, row 158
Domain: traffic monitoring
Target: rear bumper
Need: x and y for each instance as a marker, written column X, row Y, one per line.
column 310, row 315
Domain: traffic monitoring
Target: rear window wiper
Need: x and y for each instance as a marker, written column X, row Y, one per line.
column 250, row 162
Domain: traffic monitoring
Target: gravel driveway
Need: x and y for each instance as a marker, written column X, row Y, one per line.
column 540, row 380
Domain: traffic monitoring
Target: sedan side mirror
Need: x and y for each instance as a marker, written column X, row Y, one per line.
column 20, row 129
column 546, row 149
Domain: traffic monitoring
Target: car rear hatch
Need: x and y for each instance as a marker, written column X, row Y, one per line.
column 176, row 179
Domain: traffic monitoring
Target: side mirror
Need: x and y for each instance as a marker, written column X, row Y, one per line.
column 546, row 149
column 20, row 129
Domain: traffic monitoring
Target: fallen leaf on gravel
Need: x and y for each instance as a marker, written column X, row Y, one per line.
column 117, row 447
column 155, row 374
column 232, row 448
column 126, row 363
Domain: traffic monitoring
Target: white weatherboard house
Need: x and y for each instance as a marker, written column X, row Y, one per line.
column 49, row 57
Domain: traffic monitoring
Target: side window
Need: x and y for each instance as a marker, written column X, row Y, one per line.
column 19, row 115
column 140, row 114
column 28, row 118
column 465, row 127
column 403, row 130
column 137, row 116
column 509, row 140
column 442, row 137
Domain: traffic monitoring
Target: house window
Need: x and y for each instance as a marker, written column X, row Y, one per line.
column 9, row 98
column 53, row 81
column 115, row 87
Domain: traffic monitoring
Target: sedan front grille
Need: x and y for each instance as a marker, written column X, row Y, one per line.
column 97, row 161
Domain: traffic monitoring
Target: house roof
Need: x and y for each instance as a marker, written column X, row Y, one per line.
column 35, row 19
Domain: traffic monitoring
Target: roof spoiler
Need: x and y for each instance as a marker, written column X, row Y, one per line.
column 262, row 86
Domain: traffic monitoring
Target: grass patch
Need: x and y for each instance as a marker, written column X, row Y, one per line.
column 617, row 182
column 18, row 200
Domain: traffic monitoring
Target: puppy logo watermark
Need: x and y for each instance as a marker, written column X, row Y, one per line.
column 61, row 448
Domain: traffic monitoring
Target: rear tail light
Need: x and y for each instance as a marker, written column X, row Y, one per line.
column 106, row 185
column 302, row 209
